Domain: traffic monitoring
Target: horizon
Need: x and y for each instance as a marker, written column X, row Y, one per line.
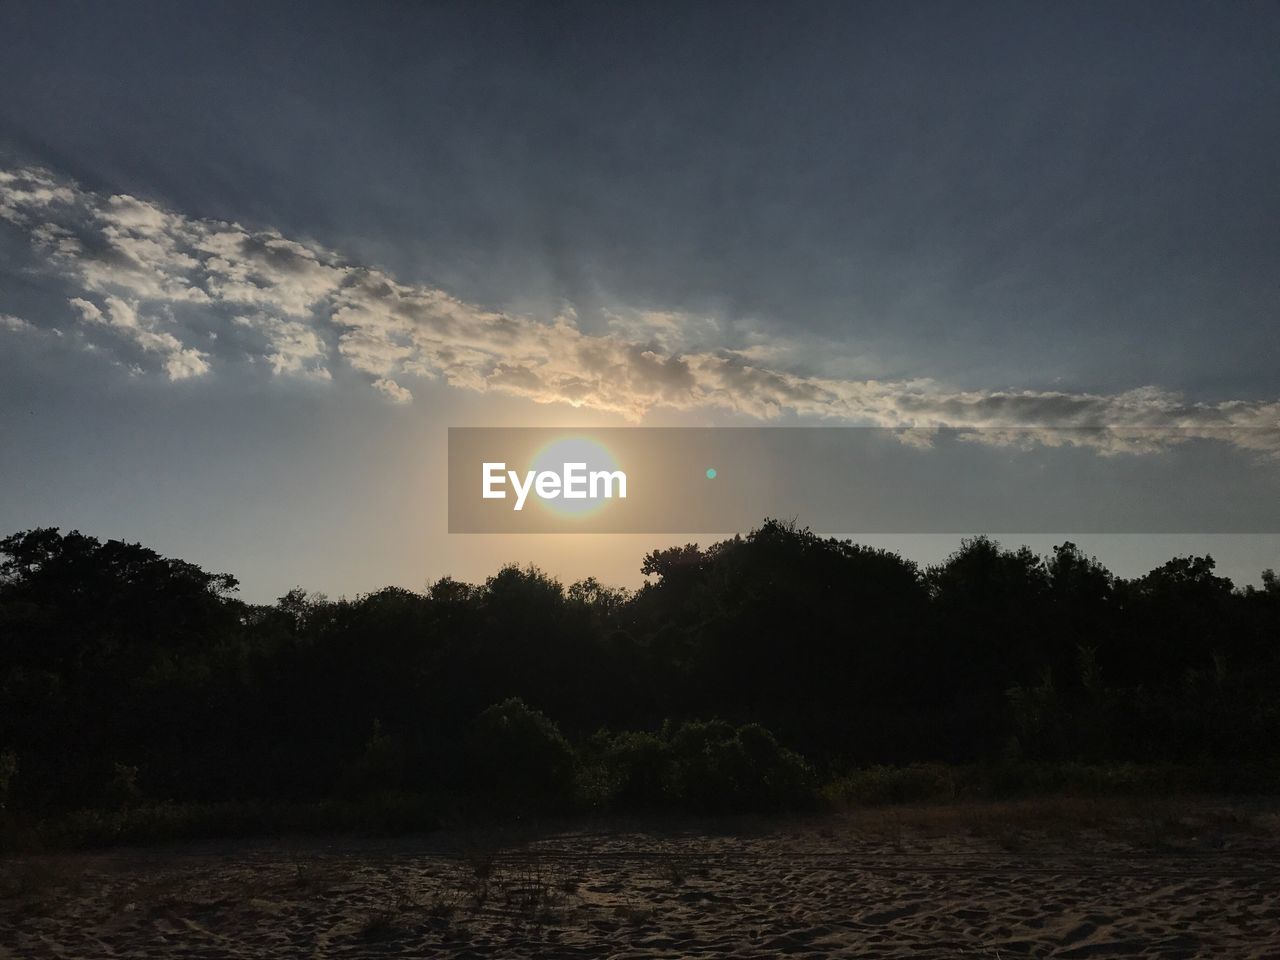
column 1042, row 552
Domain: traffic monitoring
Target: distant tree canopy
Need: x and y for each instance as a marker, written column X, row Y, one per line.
column 113, row 658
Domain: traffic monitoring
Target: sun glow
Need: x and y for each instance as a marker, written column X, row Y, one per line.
column 599, row 460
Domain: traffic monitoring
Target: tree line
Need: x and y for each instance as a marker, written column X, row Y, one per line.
column 749, row 665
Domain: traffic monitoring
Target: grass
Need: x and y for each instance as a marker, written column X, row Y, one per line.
column 387, row 814
column 397, row 813
column 1141, row 823
column 944, row 783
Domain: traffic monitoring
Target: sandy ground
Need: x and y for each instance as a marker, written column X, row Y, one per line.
column 1043, row 879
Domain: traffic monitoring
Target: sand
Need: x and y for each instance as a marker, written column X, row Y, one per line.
column 1044, row 879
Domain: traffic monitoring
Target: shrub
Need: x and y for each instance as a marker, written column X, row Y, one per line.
column 703, row 766
column 719, row 769
column 629, row 770
column 519, row 759
column 915, row 783
column 379, row 767
column 122, row 788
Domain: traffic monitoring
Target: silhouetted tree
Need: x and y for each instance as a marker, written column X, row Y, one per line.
column 127, row 677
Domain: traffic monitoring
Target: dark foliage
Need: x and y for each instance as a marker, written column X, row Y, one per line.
column 520, row 761
column 128, row 679
column 707, row 767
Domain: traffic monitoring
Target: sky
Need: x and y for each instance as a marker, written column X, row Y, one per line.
column 256, row 259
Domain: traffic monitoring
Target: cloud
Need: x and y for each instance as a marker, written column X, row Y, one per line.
column 178, row 361
column 180, row 295
column 392, row 390
column 15, row 324
column 290, row 346
column 31, row 189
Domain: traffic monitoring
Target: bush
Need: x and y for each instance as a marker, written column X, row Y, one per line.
column 629, row 770
column 520, row 761
column 379, row 767
column 703, row 766
column 916, row 783
column 717, row 769
column 122, row 789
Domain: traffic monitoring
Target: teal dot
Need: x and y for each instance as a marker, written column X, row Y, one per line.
column 711, row 473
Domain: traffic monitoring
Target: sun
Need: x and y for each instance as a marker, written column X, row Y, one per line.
column 575, row 449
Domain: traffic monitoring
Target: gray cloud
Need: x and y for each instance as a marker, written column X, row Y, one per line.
column 165, row 292
column 15, row 324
